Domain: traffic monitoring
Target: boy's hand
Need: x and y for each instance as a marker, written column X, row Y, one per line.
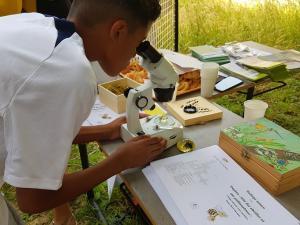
column 140, row 150
column 115, row 126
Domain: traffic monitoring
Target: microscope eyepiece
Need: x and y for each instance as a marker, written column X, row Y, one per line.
column 147, row 51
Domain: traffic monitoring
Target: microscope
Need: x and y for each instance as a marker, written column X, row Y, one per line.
column 162, row 81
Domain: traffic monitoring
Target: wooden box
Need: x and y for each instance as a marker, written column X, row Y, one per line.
column 111, row 93
column 268, row 152
column 206, row 111
column 188, row 82
column 188, row 78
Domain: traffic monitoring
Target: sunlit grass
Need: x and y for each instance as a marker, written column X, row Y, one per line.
column 255, row 2
column 219, row 21
column 270, row 22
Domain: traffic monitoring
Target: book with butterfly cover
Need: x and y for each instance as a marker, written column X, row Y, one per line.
column 270, row 153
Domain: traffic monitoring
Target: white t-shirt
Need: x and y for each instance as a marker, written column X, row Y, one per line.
column 46, row 92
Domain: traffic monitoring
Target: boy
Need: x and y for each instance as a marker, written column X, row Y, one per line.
column 47, row 88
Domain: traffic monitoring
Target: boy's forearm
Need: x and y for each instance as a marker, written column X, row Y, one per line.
column 92, row 133
column 36, row 201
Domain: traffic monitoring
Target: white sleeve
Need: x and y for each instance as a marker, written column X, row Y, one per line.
column 42, row 121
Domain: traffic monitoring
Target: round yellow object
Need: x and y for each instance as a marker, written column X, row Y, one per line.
column 186, row 145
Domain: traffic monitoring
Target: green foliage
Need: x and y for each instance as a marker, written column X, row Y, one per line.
column 284, row 103
column 116, row 211
column 219, row 21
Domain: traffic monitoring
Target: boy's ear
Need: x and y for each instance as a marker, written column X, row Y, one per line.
column 119, row 30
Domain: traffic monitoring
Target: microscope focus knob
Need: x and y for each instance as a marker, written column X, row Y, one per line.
column 141, row 102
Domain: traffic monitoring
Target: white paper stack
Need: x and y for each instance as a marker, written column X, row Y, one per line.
column 207, row 187
column 100, row 115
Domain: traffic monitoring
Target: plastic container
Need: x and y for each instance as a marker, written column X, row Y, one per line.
column 209, row 74
column 254, row 109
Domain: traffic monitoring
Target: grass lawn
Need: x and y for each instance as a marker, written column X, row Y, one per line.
column 208, row 22
column 216, row 22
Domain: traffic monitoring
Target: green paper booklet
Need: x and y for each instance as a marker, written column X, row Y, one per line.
column 242, row 71
column 271, row 143
column 208, row 53
column 276, row 70
column 291, row 58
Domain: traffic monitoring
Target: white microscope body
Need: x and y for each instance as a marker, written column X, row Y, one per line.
column 163, row 79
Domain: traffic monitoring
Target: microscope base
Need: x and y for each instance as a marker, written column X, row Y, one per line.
column 171, row 134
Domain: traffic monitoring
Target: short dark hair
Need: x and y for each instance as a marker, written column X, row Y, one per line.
column 135, row 12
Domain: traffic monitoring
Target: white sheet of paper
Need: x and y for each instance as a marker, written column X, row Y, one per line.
column 100, row 115
column 181, row 60
column 258, row 52
column 169, row 203
column 110, row 186
column 208, row 179
column 242, row 70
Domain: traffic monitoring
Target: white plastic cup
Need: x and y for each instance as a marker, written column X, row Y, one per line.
column 175, row 92
column 209, row 74
column 254, row 109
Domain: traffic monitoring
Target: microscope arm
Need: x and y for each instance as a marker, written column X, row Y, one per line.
column 162, row 74
column 163, row 79
column 138, row 99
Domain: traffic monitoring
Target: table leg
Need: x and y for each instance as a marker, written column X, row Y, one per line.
column 129, row 197
column 90, row 194
column 250, row 93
